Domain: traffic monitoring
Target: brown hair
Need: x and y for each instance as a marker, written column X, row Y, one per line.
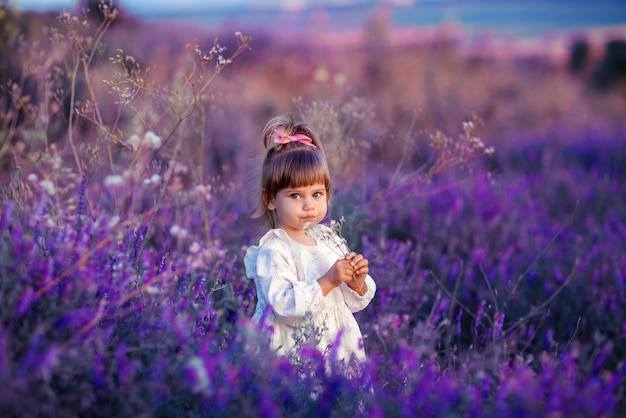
column 293, row 164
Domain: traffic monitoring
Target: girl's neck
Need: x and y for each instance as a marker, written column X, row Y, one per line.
column 301, row 237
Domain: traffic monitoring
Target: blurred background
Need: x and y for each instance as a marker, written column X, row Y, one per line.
column 545, row 81
column 445, row 59
column 534, row 24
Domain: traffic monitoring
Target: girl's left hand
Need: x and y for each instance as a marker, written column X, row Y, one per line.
column 361, row 269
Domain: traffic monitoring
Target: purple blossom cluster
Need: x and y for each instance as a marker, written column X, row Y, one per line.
column 494, row 300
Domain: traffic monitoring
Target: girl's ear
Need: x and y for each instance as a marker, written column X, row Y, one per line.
column 269, row 203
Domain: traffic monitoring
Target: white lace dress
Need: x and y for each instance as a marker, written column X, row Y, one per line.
column 290, row 301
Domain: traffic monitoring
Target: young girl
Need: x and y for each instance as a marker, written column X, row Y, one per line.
column 308, row 284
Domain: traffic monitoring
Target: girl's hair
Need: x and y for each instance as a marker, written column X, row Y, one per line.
column 292, row 164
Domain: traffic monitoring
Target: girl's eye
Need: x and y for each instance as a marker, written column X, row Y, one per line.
column 294, row 195
column 318, row 194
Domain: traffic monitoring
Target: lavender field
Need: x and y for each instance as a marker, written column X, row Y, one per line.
column 486, row 188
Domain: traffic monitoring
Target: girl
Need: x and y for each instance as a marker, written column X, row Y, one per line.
column 308, row 283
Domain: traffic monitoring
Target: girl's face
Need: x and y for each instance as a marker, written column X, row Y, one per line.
column 299, row 207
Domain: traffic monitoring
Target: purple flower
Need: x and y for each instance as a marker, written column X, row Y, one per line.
column 26, row 301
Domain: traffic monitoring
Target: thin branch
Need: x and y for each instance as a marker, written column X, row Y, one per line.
column 494, row 295
column 541, row 254
column 535, row 311
column 453, row 297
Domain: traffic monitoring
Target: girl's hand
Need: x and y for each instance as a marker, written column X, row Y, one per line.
column 340, row 272
column 361, row 269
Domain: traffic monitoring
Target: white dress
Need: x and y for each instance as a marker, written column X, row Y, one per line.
column 290, row 301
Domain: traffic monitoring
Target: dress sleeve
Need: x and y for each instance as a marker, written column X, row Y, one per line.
column 289, row 296
column 356, row 302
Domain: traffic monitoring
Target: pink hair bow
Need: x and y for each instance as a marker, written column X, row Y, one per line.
column 282, row 138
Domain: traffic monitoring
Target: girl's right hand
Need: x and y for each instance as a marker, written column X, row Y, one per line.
column 340, row 272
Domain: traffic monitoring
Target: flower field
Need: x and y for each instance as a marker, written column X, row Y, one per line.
column 487, row 190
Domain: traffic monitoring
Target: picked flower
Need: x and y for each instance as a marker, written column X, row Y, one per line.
column 309, row 225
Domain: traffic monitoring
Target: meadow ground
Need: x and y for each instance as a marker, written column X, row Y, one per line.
column 485, row 186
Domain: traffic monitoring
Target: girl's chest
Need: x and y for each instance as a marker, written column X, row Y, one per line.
column 316, row 261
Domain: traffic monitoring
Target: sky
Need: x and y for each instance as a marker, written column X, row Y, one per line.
column 507, row 17
column 164, row 5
